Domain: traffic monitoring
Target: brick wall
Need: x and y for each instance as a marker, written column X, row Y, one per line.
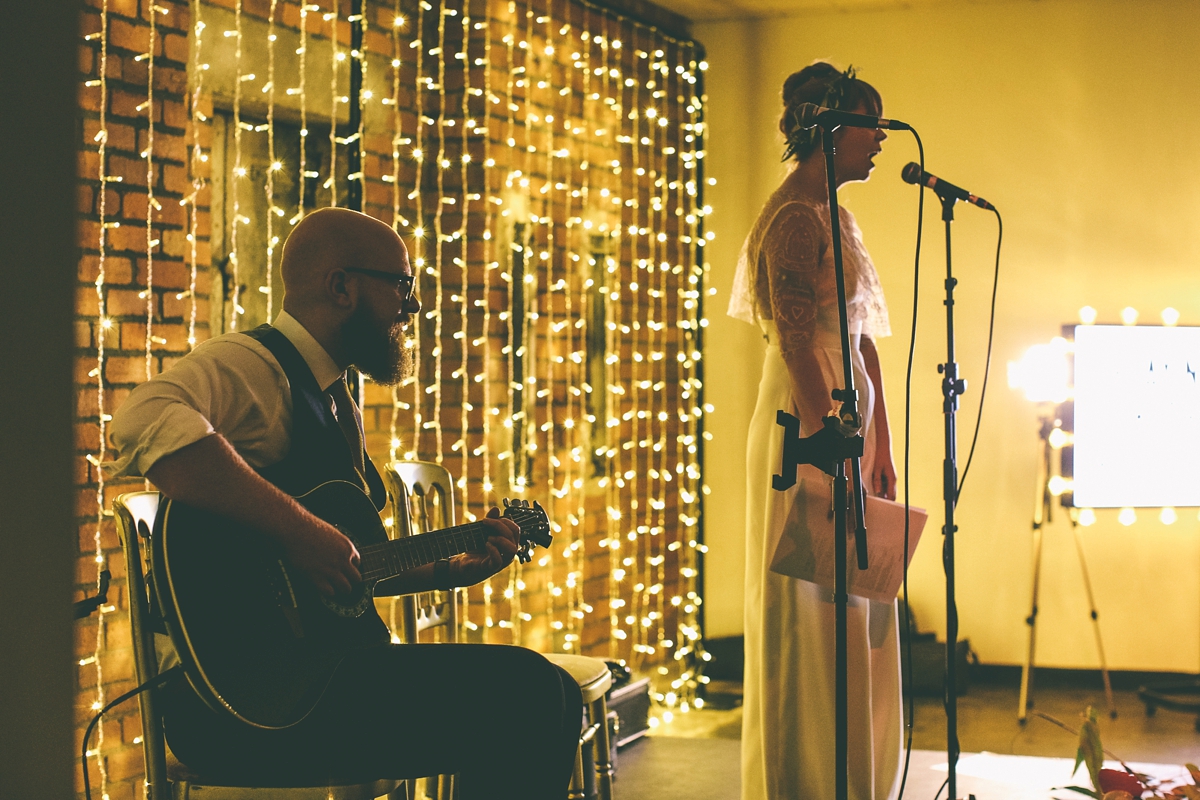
column 103, row 640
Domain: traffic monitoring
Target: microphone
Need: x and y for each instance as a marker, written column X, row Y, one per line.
column 809, row 114
column 912, row 173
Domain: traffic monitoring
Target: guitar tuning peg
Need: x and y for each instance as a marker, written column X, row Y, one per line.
column 505, row 502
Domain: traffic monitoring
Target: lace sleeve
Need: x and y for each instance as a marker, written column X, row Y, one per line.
column 792, row 252
column 742, row 304
column 866, row 306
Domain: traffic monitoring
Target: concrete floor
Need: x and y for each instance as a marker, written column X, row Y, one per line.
column 697, row 755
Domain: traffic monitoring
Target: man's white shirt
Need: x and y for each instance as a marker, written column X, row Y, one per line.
column 231, row 385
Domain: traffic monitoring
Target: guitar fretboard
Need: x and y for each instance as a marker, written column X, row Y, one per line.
column 388, row 559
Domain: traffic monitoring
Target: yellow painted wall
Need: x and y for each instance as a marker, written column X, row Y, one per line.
column 1079, row 120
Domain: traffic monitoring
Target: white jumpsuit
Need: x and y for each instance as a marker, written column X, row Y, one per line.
column 786, row 286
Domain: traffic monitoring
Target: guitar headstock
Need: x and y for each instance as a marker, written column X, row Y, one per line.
column 534, row 525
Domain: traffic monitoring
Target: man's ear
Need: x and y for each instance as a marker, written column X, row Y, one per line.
column 337, row 288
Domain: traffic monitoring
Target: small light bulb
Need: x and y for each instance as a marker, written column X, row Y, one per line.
column 1087, row 315
column 1170, row 317
column 1127, row 517
column 1129, row 316
column 1167, row 516
column 1087, row 517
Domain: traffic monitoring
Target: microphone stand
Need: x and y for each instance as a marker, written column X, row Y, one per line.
column 828, row 449
column 952, row 388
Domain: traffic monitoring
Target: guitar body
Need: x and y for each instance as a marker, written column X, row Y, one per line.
column 255, row 637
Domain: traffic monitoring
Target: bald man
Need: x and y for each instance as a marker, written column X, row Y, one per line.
column 246, row 421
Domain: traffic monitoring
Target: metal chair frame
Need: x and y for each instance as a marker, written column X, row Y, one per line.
column 135, row 513
column 422, row 500
column 421, row 497
column 413, row 485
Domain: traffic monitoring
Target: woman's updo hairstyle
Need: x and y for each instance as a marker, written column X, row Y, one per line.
column 821, row 84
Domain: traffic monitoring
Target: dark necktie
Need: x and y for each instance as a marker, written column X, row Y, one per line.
column 346, row 413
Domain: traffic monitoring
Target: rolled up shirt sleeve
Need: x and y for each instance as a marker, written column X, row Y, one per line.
column 230, row 385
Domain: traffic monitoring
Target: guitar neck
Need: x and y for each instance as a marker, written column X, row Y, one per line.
column 389, row 559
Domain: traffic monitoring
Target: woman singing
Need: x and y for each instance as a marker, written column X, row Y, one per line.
column 785, row 285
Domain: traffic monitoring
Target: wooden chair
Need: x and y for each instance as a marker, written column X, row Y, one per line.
column 166, row 778
column 413, row 486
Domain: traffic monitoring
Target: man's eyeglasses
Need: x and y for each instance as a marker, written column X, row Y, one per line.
column 404, row 283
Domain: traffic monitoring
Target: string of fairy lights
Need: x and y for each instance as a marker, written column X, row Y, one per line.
column 481, row 452
column 103, row 324
column 197, row 159
column 151, row 202
column 237, row 173
column 417, row 229
column 337, row 57
column 559, row 247
column 462, row 299
column 364, row 96
column 274, row 166
column 439, row 164
column 399, row 223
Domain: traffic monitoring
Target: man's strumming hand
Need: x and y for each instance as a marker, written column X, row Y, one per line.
column 325, row 555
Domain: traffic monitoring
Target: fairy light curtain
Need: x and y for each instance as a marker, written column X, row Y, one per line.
column 549, row 184
column 544, row 163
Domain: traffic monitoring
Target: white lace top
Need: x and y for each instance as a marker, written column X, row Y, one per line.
column 785, row 274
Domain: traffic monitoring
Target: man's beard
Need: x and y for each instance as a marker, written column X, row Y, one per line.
column 381, row 355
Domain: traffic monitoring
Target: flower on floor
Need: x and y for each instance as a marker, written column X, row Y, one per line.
column 1121, row 784
column 1113, row 780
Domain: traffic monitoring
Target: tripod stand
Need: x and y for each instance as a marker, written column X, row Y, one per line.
column 1042, row 514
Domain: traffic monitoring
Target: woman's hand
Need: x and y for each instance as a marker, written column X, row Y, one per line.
column 883, row 472
column 501, row 547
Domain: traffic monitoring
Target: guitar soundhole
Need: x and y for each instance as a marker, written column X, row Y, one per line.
column 354, row 606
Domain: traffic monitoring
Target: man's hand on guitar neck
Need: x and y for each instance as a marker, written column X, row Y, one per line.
column 210, row 475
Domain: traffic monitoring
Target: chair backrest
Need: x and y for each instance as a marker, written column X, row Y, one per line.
column 135, row 513
column 430, row 491
column 422, row 500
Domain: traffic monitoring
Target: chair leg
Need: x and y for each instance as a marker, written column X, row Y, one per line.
column 602, row 748
column 576, row 791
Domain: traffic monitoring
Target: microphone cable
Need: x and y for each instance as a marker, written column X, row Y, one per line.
column 987, row 368
column 912, row 345
column 154, row 683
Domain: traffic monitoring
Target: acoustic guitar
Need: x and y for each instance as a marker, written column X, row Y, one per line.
column 256, row 638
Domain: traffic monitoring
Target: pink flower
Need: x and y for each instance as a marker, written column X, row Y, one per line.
column 1112, row 780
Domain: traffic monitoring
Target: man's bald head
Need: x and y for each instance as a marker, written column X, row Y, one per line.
column 334, row 238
